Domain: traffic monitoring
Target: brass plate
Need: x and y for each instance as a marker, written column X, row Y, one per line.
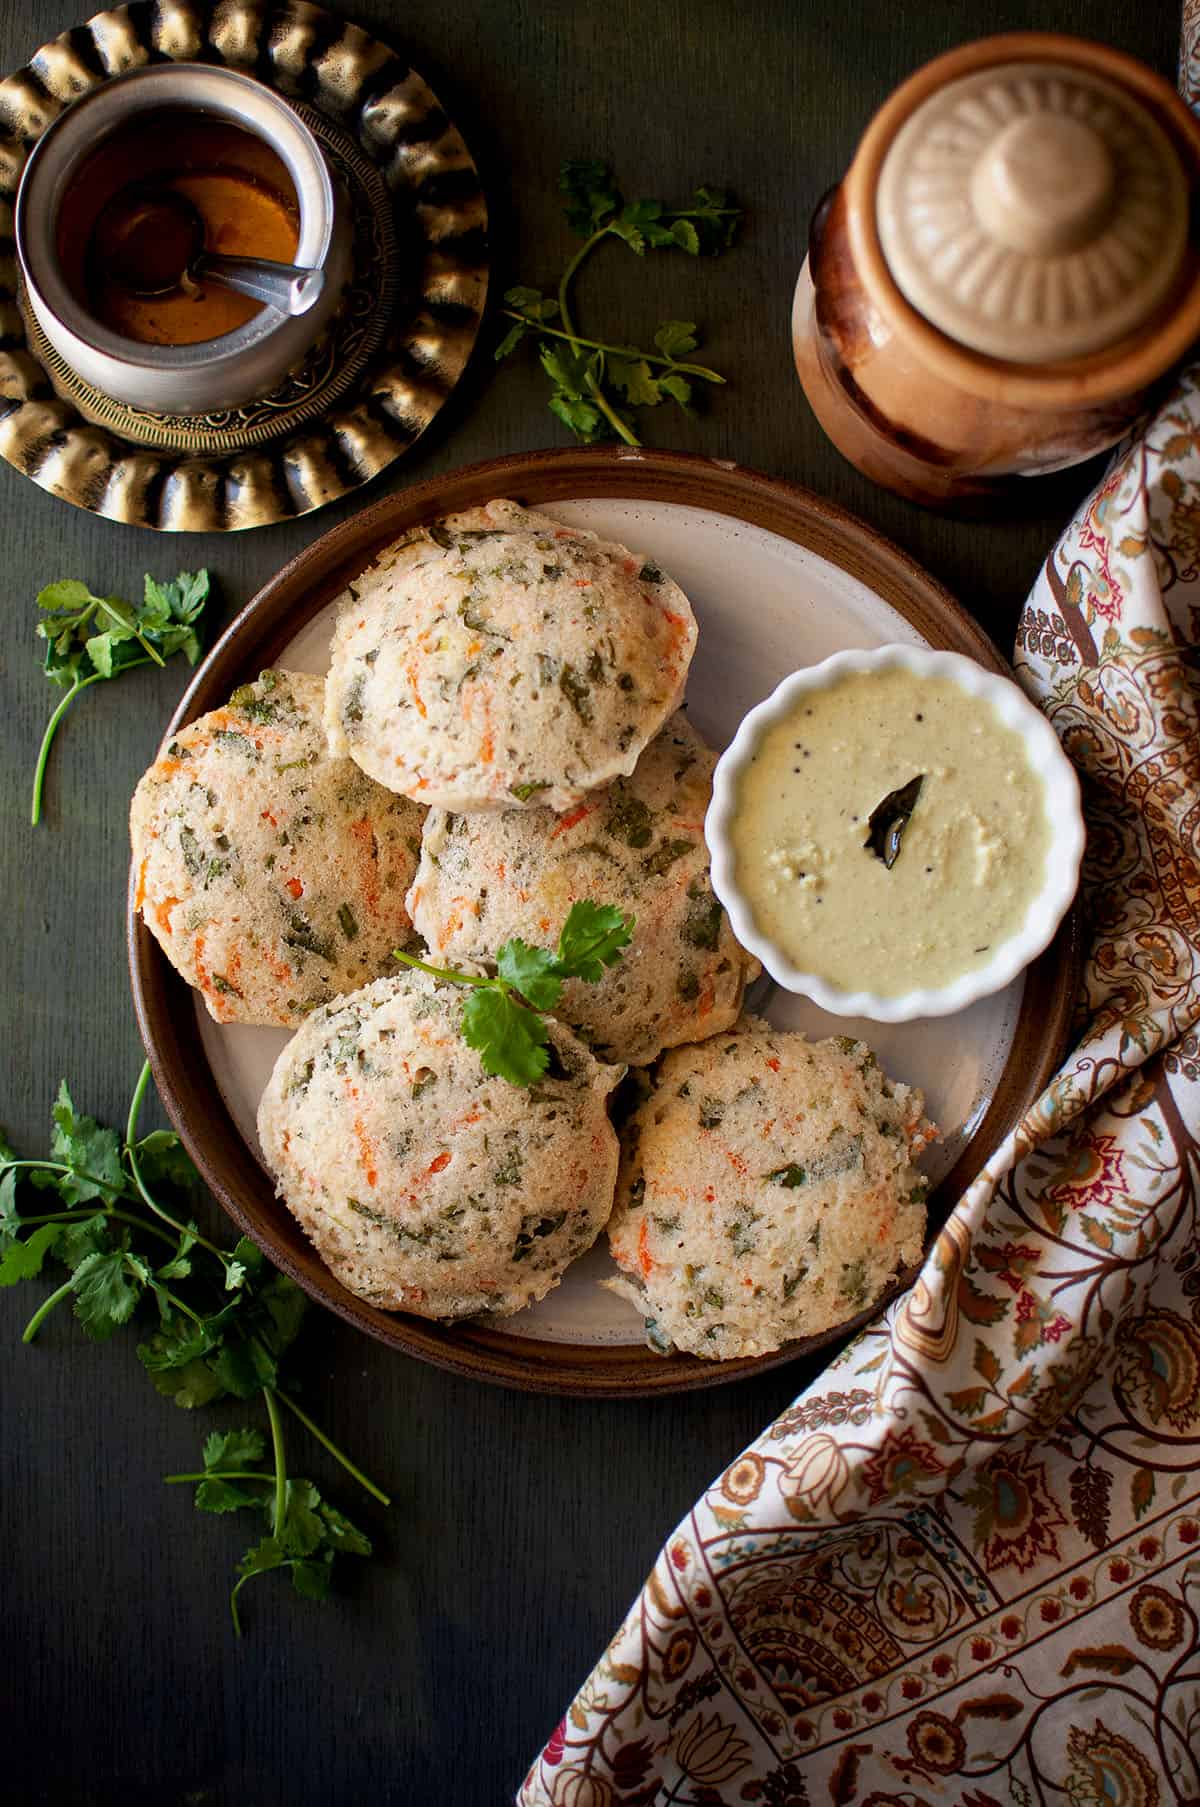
column 389, row 358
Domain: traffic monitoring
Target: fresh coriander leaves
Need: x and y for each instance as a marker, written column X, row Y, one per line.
column 589, row 375
column 497, row 1019
column 305, row 1533
column 511, row 1039
column 23, row 1260
column 594, row 204
column 90, row 638
column 107, row 1285
column 90, row 1155
column 592, row 195
column 530, row 971
column 592, row 938
column 675, row 337
column 112, row 1210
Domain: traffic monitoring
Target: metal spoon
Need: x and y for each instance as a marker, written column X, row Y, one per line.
column 152, row 241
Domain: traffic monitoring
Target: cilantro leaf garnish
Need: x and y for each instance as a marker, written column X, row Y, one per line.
column 108, row 1208
column 592, row 938
column 531, row 971
column 501, row 1016
column 510, row 1038
column 588, row 375
column 90, row 638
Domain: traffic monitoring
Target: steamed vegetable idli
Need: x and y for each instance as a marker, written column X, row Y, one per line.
column 272, row 875
column 639, row 844
column 426, row 1184
column 499, row 660
column 766, row 1190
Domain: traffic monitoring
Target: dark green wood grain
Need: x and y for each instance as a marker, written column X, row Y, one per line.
column 523, row 1525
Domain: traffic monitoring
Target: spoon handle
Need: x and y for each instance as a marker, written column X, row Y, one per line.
column 286, row 287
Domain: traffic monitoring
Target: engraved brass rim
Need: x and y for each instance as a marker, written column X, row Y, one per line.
column 388, row 361
column 256, row 639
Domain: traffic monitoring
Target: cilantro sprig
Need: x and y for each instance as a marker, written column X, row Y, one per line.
column 590, row 374
column 501, row 1015
column 218, row 1323
column 90, row 639
column 304, row 1532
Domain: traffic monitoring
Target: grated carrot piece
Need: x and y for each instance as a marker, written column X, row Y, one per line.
column 412, row 668
column 201, row 970
column 276, row 966
column 570, row 820
column 366, row 1150
column 645, row 1258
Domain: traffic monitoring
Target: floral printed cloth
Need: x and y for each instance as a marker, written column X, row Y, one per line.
column 964, row 1567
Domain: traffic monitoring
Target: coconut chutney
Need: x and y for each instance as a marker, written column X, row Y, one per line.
column 891, row 832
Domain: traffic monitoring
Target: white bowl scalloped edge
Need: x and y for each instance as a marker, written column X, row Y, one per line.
column 1062, row 802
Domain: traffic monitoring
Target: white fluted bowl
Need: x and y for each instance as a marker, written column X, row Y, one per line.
column 1046, row 908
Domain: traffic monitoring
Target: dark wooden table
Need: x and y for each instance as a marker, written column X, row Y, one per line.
column 522, row 1526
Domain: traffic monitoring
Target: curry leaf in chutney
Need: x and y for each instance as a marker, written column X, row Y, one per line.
column 889, row 819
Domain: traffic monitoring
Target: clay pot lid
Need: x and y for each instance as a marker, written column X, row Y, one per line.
column 1033, row 211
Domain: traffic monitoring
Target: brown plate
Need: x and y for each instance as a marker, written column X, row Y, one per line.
column 820, row 565
column 386, row 362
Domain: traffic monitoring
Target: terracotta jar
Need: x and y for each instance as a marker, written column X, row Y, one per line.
column 1010, row 265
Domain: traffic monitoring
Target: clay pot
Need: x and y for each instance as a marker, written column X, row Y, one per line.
column 934, row 418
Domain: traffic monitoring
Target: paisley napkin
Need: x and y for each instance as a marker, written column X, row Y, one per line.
column 964, row 1566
